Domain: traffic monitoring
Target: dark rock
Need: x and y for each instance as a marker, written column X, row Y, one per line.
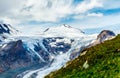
column 44, row 54
column 4, row 29
column 104, row 35
column 14, row 55
column 58, row 46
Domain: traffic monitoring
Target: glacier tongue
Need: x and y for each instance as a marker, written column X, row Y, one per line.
column 60, row 59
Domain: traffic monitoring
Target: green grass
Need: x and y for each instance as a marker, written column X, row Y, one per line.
column 103, row 60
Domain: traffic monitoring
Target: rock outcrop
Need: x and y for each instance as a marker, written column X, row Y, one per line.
column 103, row 36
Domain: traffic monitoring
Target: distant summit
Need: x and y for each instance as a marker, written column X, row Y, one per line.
column 7, row 29
column 68, row 26
column 63, row 31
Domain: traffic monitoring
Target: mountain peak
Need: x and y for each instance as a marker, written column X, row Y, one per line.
column 7, row 29
column 105, row 35
column 62, row 31
column 4, row 29
column 68, row 26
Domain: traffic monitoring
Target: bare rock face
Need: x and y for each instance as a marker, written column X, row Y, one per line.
column 103, row 36
column 14, row 55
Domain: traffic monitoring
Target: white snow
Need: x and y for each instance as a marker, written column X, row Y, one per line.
column 61, row 52
column 4, row 45
column 63, row 31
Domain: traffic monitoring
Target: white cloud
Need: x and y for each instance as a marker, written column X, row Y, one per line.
column 23, row 11
column 87, row 5
column 43, row 10
column 11, row 7
column 8, row 20
column 96, row 22
column 48, row 10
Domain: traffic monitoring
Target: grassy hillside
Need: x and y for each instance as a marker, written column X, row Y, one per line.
column 103, row 61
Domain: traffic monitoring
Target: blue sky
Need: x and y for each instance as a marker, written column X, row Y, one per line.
column 77, row 13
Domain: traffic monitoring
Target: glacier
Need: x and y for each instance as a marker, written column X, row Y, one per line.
column 51, row 48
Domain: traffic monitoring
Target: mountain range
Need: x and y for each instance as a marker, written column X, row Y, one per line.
column 37, row 55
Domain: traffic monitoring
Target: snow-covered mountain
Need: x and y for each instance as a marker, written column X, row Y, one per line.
column 6, row 30
column 61, row 31
column 49, row 49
